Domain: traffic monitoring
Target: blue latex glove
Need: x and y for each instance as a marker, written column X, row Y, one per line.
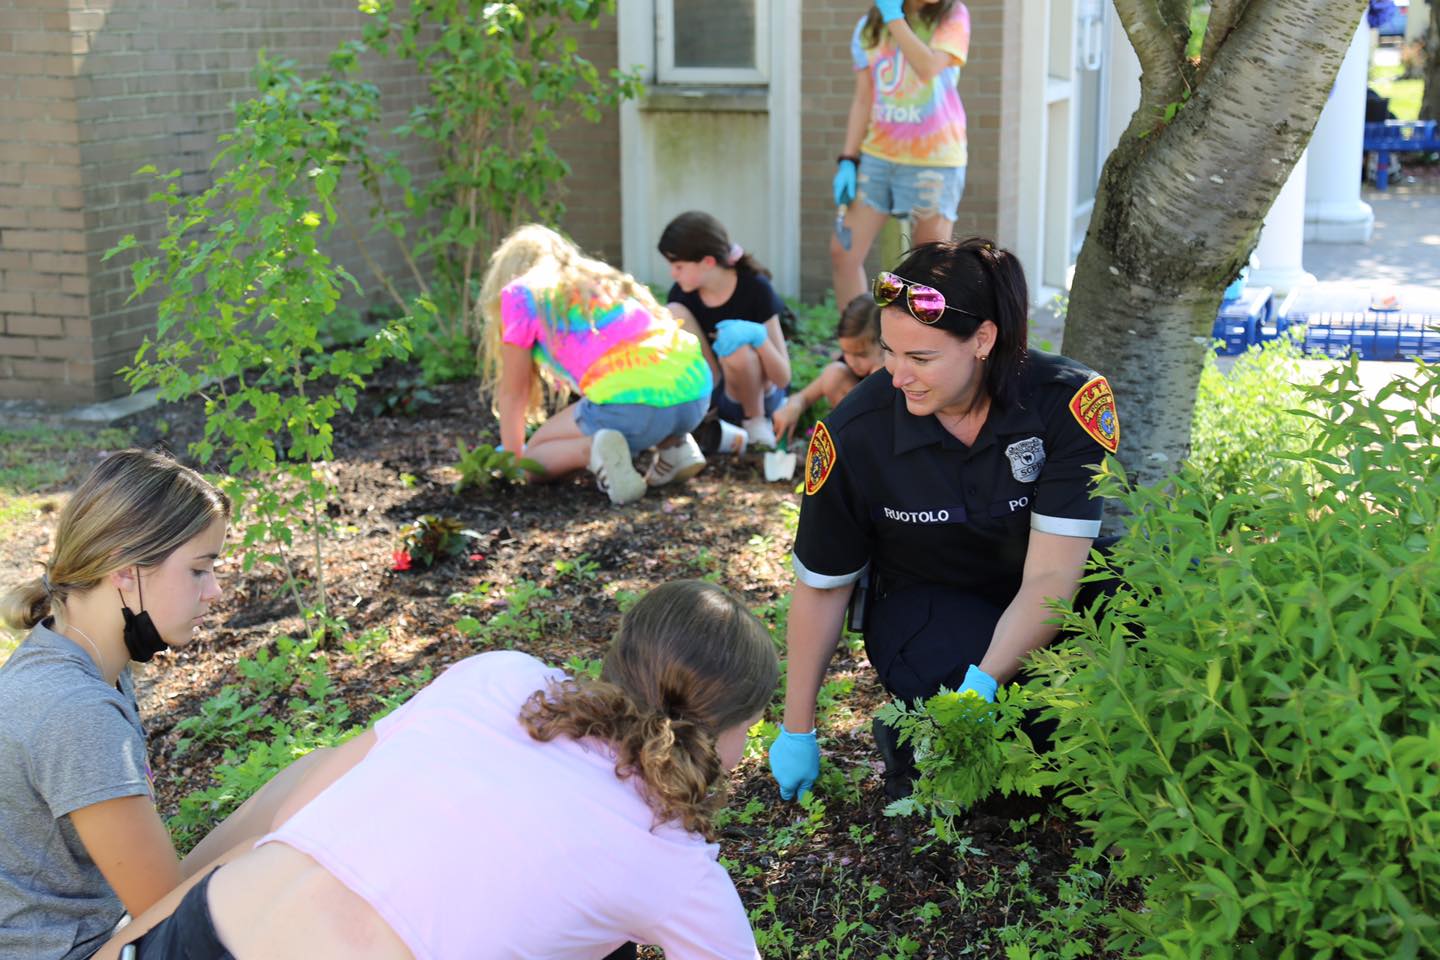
column 844, row 184
column 731, row 335
column 980, row 682
column 891, row 9
column 794, row 763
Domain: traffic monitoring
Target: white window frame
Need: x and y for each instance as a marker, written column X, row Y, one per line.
column 667, row 72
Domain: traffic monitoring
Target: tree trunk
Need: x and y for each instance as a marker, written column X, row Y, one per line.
column 1180, row 203
column 1430, row 103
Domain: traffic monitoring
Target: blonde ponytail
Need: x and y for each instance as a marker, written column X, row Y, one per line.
column 25, row 604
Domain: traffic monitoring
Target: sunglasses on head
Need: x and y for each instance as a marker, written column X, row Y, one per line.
column 925, row 304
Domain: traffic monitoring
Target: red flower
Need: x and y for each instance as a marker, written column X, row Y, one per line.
column 476, row 557
column 400, row 560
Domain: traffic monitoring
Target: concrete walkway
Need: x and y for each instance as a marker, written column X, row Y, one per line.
column 1401, row 259
column 1404, row 251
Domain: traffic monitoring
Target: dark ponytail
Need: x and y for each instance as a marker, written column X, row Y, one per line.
column 987, row 283
column 695, row 235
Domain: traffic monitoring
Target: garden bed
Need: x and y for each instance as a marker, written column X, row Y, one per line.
column 842, row 880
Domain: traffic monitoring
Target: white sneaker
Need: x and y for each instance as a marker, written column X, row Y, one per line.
column 614, row 473
column 760, row 431
column 673, row 464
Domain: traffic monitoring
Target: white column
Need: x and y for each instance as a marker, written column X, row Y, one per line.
column 1282, row 239
column 1334, row 212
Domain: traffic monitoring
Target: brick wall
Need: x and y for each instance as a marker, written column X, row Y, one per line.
column 592, row 191
column 156, row 85
column 44, row 310
column 91, row 90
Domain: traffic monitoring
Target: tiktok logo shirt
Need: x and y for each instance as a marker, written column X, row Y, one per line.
column 911, row 121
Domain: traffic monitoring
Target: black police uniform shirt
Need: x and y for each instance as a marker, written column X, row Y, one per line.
column 754, row 300
column 888, row 488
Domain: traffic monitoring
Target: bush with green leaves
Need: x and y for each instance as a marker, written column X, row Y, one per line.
column 247, row 292
column 1243, row 429
column 1254, row 728
column 965, row 749
column 482, row 465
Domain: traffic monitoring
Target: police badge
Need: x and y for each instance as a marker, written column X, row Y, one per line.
column 1027, row 457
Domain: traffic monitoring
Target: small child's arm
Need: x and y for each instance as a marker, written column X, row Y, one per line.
column 788, row 415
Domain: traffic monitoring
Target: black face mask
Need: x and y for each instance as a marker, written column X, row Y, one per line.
column 141, row 638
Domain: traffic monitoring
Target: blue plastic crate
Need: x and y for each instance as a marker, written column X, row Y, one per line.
column 1239, row 321
column 1339, row 324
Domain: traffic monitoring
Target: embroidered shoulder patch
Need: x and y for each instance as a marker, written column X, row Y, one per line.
column 1094, row 409
column 819, row 460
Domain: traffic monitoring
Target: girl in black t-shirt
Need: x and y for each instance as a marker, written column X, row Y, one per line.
column 723, row 296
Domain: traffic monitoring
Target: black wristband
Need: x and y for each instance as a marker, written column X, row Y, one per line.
column 855, row 158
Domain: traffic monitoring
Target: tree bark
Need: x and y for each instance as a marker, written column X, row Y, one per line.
column 1181, row 200
column 1430, row 102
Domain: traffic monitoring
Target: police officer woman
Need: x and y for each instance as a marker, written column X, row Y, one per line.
column 957, row 489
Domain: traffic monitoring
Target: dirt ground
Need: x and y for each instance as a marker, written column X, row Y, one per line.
column 852, row 883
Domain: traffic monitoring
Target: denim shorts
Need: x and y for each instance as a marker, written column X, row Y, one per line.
column 642, row 426
column 902, row 190
column 733, row 412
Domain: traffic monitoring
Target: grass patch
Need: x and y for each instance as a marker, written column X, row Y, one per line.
column 36, row 459
column 35, row 462
column 1404, row 95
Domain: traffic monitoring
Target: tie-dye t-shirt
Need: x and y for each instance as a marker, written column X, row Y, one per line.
column 911, row 121
column 608, row 352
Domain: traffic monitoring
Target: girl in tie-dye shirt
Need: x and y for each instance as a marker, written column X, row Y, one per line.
column 905, row 150
column 553, row 318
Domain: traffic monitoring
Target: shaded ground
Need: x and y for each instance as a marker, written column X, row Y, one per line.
column 847, row 881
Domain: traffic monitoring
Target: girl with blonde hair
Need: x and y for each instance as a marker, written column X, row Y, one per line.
column 550, row 315
column 506, row 811
column 132, row 573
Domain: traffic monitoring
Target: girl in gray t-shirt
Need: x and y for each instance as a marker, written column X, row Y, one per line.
column 131, row 573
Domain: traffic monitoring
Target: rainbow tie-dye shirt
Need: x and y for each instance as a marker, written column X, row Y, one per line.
column 607, row 352
column 913, row 122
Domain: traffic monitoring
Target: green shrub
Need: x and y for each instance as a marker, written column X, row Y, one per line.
column 957, row 739
column 1254, row 729
column 247, row 296
column 1243, row 429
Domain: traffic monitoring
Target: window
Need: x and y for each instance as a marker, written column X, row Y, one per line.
column 711, row 41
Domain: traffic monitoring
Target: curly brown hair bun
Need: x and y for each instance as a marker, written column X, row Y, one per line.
column 688, row 662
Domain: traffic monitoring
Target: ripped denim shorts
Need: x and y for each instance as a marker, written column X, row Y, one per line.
column 903, row 190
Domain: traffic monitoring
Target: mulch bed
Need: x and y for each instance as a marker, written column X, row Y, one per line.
column 728, row 524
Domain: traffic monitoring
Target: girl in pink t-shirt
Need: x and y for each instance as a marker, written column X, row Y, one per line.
column 506, row 812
